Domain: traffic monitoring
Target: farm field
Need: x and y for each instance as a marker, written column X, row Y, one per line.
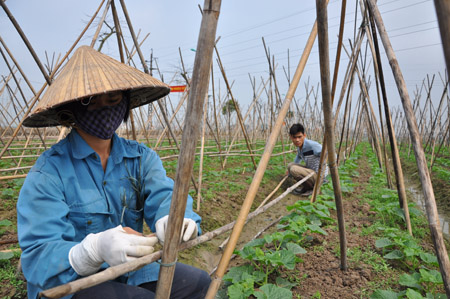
column 297, row 256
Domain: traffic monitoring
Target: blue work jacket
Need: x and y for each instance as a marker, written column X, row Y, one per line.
column 309, row 148
column 67, row 196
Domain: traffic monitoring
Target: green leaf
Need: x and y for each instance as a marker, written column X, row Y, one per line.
column 5, row 222
column 437, row 296
column 384, row 294
column 284, row 283
column 295, row 248
column 411, row 281
column 394, row 255
column 428, row 258
column 248, row 252
column 381, row 243
column 8, row 193
column 234, row 275
column 6, row 255
column 288, row 259
column 411, row 251
column 411, row 294
column 268, row 239
column 238, row 291
column 270, row 291
column 256, row 243
column 431, row 276
column 316, row 229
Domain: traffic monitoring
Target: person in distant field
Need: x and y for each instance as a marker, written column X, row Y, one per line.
column 82, row 206
column 308, row 151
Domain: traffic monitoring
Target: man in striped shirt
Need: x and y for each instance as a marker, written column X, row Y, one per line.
column 308, row 151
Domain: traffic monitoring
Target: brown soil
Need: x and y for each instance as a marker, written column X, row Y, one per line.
column 320, row 270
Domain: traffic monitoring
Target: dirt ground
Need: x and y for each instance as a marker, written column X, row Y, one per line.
column 319, row 271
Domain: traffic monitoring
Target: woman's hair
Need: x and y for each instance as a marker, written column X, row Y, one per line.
column 66, row 117
column 296, row 128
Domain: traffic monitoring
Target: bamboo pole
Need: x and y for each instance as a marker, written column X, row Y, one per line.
column 430, row 203
column 320, row 171
column 322, row 21
column 197, row 94
column 202, row 150
column 273, row 192
column 401, row 190
column 443, row 15
column 215, row 284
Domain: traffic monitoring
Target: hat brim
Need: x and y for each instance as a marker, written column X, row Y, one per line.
column 48, row 117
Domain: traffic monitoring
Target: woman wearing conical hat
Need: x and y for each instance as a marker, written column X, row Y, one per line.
column 82, row 206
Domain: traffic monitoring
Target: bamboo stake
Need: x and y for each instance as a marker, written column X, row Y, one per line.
column 215, row 284
column 202, row 150
column 430, row 203
column 318, row 182
column 443, row 12
column 322, row 21
column 197, row 94
column 391, row 133
column 215, row 112
column 273, row 192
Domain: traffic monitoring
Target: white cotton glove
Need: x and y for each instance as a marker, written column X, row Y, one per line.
column 189, row 230
column 113, row 246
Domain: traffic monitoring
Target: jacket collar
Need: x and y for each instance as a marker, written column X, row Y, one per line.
column 81, row 150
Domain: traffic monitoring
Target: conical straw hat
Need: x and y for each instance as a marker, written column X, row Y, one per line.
column 89, row 73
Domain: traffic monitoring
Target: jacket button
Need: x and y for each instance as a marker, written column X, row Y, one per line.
column 89, row 222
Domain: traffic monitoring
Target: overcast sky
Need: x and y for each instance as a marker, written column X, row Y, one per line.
column 53, row 25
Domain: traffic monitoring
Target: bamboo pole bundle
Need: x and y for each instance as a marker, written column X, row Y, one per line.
column 215, row 284
column 180, row 104
column 25, row 40
column 37, row 95
column 236, row 106
column 427, row 187
column 255, row 99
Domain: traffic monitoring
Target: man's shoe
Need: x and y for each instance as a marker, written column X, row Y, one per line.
column 297, row 191
column 307, row 192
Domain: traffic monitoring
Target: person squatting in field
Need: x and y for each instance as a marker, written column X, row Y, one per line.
column 82, row 206
column 308, row 151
